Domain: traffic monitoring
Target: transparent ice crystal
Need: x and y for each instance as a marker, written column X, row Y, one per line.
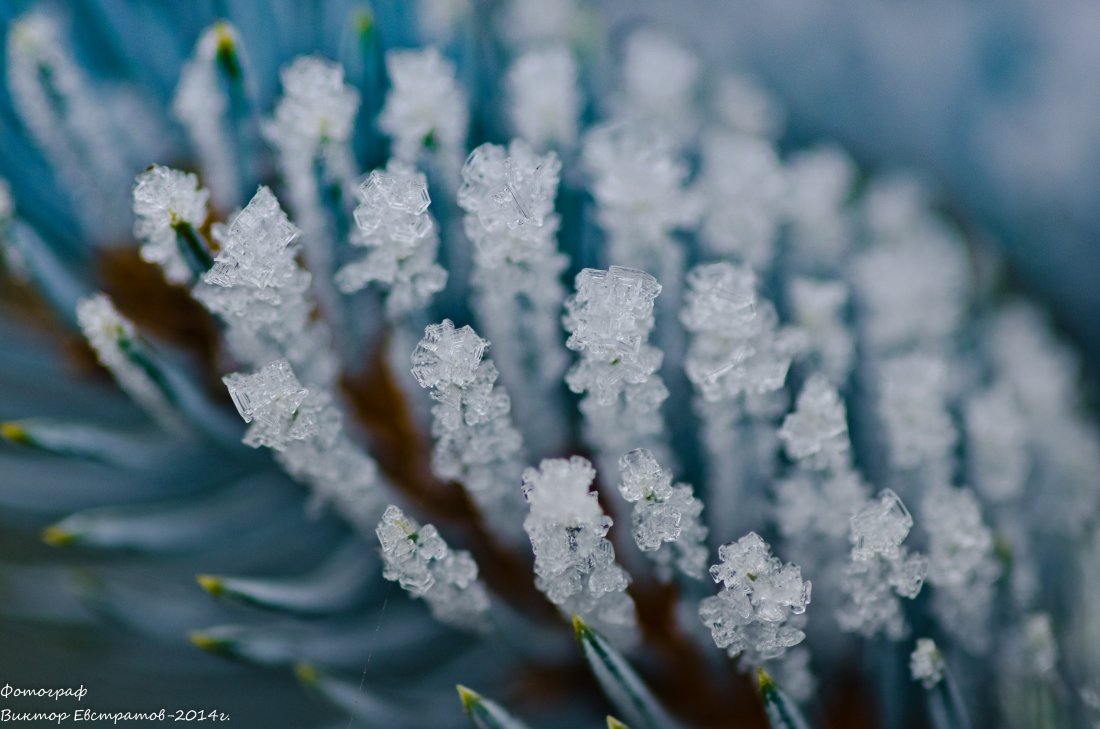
column 424, row 108
column 398, row 231
column 476, row 443
column 819, row 184
column 816, row 433
column 818, row 308
column 754, row 614
column 666, row 518
column 316, row 104
column 913, row 408
column 507, row 189
column 419, row 560
column 997, row 444
column 881, row 570
column 659, row 77
column 574, row 563
column 271, row 401
column 926, row 663
column 164, row 200
column 545, row 100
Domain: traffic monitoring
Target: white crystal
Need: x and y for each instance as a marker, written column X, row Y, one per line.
column 816, row 433
column 926, row 663
column 913, row 408
column 165, row 198
column 424, row 106
column 544, row 98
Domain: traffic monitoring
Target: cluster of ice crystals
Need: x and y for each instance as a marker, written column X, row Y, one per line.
column 737, row 346
column 816, row 433
column 507, row 191
column 663, row 515
column 818, row 308
column 316, row 104
column 819, row 183
column 808, row 507
column 200, row 105
column 114, row 339
column 545, row 101
column 913, row 393
column 395, row 226
column 1041, row 370
column 638, row 182
column 962, row 566
column 926, row 663
column 753, row 615
column 609, row 319
column 424, row 108
column 165, row 200
column 743, row 106
column 574, row 563
column 419, row 560
column 535, row 22
column 441, row 19
column 997, row 444
column 258, row 289
column 659, row 77
column 270, row 400
column 913, row 292
column 743, row 188
column 881, row 570
column 476, row 443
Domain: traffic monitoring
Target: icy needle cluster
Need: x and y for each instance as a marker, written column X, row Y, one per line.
column 818, row 307
column 666, row 518
column 259, row 291
column 819, row 222
column 755, row 613
column 926, row 663
column 659, row 77
column 305, row 430
column 401, row 239
column 544, row 101
column 881, row 570
column 609, row 319
column 508, row 195
column 574, row 563
column 913, row 408
column 419, row 560
column 816, row 433
column 170, row 207
column 475, row 441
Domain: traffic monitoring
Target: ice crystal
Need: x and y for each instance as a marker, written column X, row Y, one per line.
column 535, row 22
column 476, row 443
column 754, row 613
column 819, row 183
column 807, row 506
column 659, row 77
column 996, row 444
column 666, row 518
column 881, row 570
column 609, row 319
column 743, row 106
column 816, row 433
column 913, row 409
column 400, row 235
column 743, row 187
column 818, row 308
column 417, row 557
column 168, row 203
column 574, row 563
column 962, row 565
column 544, row 101
column 316, row 105
column 117, row 347
column 926, row 663
column 12, row 259
column 270, row 400
column 424, row 108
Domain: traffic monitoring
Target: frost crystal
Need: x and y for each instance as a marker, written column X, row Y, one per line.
column 745, row 107
column 508, row 195
column 659, row 79
column 168, row 204
column 816, row 433
column 638, row 183
column 574, row 564
column 258, row 289
column 316, row 104
column 663, row 515
column 397, row 229
column 200, row 104
column 476, row 443
column 996, row 444
column 424, row 108
column 913, row 409
column 117, row 347
column 819, row 183
column 737, row 346
column 881, row 570
column 10, row 255
column 545, row 102
column 754, row 614
column 609, row 319
column 743, row 187
column 271, row 401
column 962, row 567
column 417, row 557
column 926, row 663
column 818, row 308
